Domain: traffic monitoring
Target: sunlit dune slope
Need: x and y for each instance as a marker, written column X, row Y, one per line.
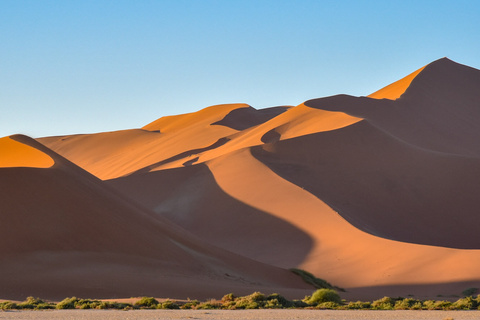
column 396, row 89
column 114, row 154
column 65, row 233
column 17, row 154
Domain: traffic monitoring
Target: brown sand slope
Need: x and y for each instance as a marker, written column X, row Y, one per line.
column 65, row 233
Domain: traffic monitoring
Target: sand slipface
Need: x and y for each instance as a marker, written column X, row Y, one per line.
column 376, row 194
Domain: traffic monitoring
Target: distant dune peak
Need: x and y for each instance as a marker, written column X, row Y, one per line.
column 396, row 89
column 244, row 118
column 15, row 153
column 213, row 114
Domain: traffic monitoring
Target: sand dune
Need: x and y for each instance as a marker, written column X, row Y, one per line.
column 15, row 154
column 438, row 111
column 376, row 194
column 66, row 233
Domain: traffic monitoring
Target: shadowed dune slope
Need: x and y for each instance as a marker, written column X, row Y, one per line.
column 65, row 233
column 385, row 186
column 193, row 199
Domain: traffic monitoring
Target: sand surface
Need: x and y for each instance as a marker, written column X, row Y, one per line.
column 376, row 194
column 242, row 314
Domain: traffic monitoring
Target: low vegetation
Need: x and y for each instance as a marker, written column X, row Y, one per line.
column 314, row 281
column 324, row 298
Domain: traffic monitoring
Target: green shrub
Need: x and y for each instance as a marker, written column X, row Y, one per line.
column 67, row 303
column 280, row 300
column 466, row 303
column 314, row 281
column 327, row 305
column 358, row 305
column 228, row 297
column 8, row 305
column 386, row 303
column 273, row 304
column 90, row 304
column 191, row 304
column 436, row 305
column 408, row 304
column 256, row 296
column 147, row 302
column 35, row 303
column 168, row 305
column 324, row 295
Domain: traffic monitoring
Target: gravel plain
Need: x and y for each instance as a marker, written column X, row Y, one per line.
column 240, row 314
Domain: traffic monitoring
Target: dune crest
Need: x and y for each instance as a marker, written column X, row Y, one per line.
column 18, row 154
column 396, row 89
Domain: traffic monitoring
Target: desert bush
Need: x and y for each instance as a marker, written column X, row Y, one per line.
column 191, row 304
column 280, row 300
column 323, row 295
column 168, row 305
column 386, row 303
column 358, row 305
column 8, row 305
column 228, row 297
column 327, row 305
column 408, row 304
column 436, row 305
column 35, row 304
column 90, row 304
column 67, row 303
column 210, row 304
column 147, row 302
column 115, row 305
column 273, row 304
column 314, row 281
column 466, row 303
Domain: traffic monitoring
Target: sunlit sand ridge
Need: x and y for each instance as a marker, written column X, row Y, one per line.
column 17, row 154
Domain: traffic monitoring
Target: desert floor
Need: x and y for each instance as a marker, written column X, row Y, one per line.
column 240, row 314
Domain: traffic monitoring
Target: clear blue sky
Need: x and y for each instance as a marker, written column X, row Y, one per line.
column 86, row 66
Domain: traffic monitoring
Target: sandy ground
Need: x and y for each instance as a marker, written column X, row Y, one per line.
column 241, row 314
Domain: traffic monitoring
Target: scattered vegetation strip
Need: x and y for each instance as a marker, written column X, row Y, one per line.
column 321, row 299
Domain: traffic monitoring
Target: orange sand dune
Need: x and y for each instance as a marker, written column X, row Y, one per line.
column 396, row 89
column 438, row 111
column 16, row 154
column 114, row 154
column 66, row 233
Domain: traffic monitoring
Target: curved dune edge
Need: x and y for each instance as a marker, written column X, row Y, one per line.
column 18, row 154
column 295, row 122
column 173, row 123
column 341, row 253
column 396, row 89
